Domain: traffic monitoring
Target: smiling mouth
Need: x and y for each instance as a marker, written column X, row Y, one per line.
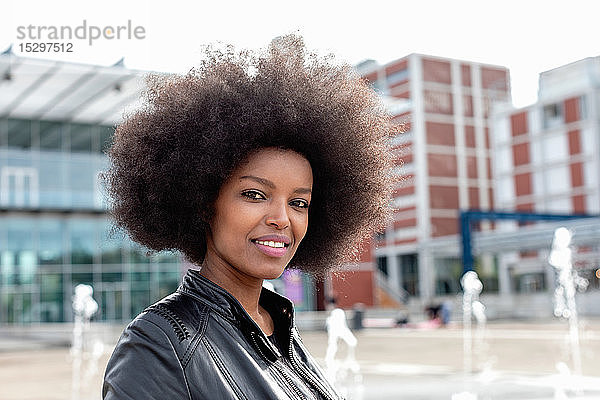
column 271, row 243
column 271, row 248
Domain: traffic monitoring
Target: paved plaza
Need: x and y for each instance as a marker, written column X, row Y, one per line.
column 516, row 360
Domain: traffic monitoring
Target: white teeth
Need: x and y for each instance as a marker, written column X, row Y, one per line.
column 271, row 243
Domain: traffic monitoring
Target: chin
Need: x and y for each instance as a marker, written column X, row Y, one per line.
column 272, row 273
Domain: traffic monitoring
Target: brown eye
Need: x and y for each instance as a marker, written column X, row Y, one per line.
column 300, row 203
column 253, row 195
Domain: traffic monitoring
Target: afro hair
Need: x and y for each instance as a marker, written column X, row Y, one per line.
column 170, row 157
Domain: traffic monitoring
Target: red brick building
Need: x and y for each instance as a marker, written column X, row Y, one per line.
column 443, row 165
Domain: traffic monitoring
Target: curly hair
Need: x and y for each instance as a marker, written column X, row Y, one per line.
column 170, row 157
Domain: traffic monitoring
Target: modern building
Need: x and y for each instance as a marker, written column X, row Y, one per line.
column 443, row 164
column 56, row 119
column 546, row 160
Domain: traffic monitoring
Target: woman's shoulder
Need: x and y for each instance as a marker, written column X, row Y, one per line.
column 179, row 317
column 170, row 327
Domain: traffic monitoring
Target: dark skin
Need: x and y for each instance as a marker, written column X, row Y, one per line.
column 261, row 216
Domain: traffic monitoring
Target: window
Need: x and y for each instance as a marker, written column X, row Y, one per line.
column 409, row 273
column 82, row 235
column 50, row 251
column 19, row 133
column 51, row 298
column 448, row 271
column 51, row 135
column 529, row 282
column 19, row 187
column 81, row 138
column 438, row 102
column 553, row 115
column 382, row 265
column 18, row 251
column 396, row 77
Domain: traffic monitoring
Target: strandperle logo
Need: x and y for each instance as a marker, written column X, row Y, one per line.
column 91, row 33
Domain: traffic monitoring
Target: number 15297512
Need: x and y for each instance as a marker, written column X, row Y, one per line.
column 46, row 47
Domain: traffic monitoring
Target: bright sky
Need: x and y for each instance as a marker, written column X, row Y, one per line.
column 527, row 36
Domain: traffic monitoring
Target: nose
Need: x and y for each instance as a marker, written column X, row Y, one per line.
column 278, row 215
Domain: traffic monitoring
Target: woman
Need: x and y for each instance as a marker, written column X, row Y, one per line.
column 228, row 164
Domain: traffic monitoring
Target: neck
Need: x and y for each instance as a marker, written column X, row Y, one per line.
column 244, row 288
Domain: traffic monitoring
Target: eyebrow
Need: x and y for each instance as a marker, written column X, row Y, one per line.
column 268, row 183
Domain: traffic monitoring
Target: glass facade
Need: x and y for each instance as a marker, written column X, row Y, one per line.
column 55, row 233
column 43, row 258
column 51, row 165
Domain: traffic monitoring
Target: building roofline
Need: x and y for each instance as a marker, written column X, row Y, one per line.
column 423, row 55
column 88, row 97
column 119, row 64
column 569, row 64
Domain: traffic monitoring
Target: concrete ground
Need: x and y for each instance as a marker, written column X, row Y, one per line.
column 513, row 360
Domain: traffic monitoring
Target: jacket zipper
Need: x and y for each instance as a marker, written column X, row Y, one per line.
column 304, row 375
column 289, row 380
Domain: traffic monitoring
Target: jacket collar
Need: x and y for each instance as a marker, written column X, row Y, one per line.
column 222, row 302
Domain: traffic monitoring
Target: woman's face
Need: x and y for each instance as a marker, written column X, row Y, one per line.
column 261, row 214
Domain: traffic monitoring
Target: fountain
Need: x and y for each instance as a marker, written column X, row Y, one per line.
column 345, row 375
column 84, row 307
column 567, row 381
column 472, row 307
column 568, row 281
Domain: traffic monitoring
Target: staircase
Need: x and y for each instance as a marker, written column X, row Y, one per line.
column 388, row 294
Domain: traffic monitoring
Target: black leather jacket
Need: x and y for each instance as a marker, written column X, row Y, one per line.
column 200, row 344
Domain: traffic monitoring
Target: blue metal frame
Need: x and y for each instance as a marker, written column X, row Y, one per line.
column 470, row 216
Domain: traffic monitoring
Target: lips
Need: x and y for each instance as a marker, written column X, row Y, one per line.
column 272, row 245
